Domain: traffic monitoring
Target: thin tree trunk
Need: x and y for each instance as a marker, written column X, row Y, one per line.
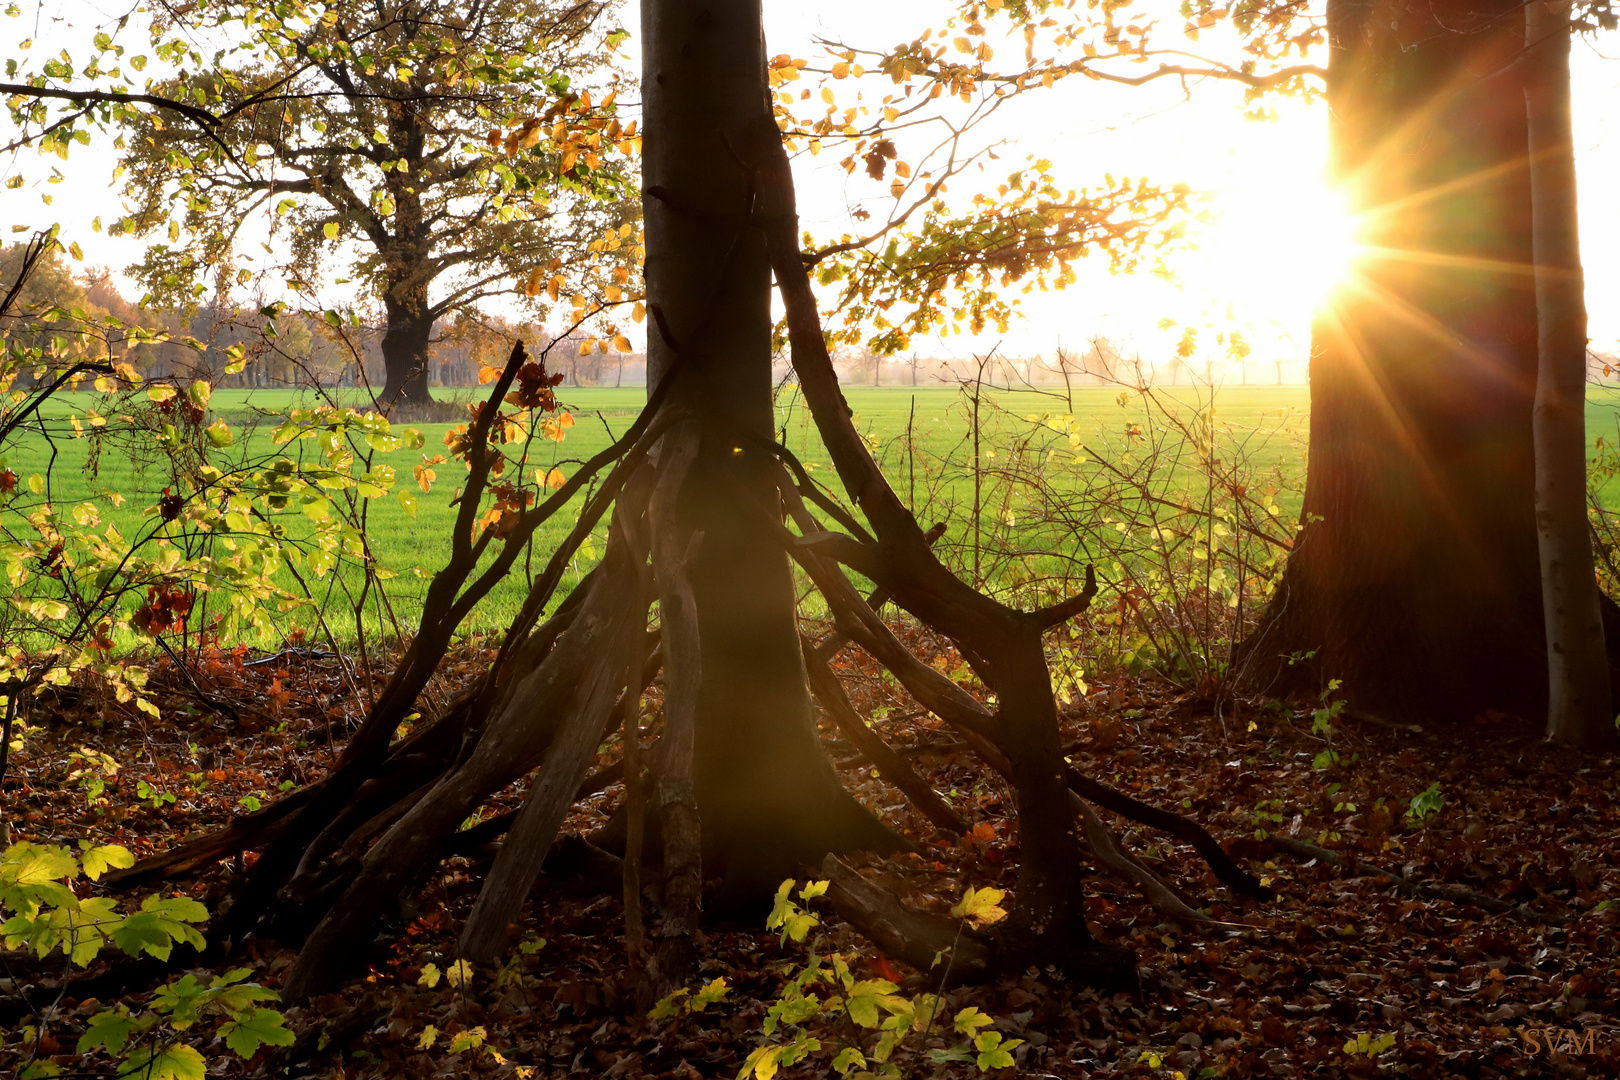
column 1579, row 712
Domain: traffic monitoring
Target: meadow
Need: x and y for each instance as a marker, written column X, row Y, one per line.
column 924, row 436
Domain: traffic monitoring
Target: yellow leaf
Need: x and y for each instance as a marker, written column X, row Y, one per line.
column 555, row 479
column 585, row 346
column 621, row 343
column 639, row 312
column 532, row 286
column 429, row 1033
column 554, row 287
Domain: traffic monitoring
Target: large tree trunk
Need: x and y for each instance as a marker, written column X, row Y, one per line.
column 1579, row 712
column 406, row 335
column 766, row 795
column 1415, row 579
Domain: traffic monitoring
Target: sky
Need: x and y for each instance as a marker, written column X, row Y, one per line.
column 1261, row 266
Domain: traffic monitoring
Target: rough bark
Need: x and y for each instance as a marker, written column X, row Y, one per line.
column 1579, row 711
column 674, row 548
column 766, row 794
column 1415, row 578
column 407, row 332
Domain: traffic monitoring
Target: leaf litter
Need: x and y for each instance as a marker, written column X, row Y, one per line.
column 1342, row 974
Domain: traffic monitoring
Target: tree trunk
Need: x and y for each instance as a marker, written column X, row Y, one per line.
column 406, row 334
column 1579, row 711
column 767, row 797
column 1415, row 579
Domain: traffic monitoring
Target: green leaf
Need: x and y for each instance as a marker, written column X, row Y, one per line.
column 97, row 860
column 764, row 1063
column 177, row 1061
column 993, row 1053
column 219, row 435
column 712, row 992
column 159, row 924
column 251, row 1030
column 330, row 229
column 848, row 1058
column 471, row 1039
column 40, row 865
column 666, row 1007
column 970, row 1020
column 109, row 1029
column 429, row 977
column 865, row 997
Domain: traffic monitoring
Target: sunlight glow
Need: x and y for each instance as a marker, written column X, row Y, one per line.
column 1276, row 252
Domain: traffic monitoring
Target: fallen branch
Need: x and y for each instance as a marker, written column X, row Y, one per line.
column 1105, row 846
column 1183, row 829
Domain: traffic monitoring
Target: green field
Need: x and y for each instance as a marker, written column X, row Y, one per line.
column 923, row 435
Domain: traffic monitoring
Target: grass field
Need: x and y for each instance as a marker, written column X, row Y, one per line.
column 933, row 423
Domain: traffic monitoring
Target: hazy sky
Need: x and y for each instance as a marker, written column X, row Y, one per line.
column 1263, row 264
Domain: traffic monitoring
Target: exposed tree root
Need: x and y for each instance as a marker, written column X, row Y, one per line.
column 339, row 854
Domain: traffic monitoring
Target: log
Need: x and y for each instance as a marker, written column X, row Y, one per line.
column 941, row 948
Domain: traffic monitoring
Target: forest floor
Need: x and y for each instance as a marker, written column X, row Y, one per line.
column 1340, row 975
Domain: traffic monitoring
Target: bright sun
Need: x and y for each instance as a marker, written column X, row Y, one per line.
column 1275, row 253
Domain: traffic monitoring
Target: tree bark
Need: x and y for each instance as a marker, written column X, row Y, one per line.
column 1415, row 578
column 406, row 336
column 767, row 797
column 1579, row 711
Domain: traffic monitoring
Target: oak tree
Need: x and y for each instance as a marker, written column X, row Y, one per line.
column 434, row 154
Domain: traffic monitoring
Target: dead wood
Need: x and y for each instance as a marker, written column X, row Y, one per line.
column 942, row 948
column 568, row 759
column 1183, row 829
column 830, row 646
column 572, row 680
column 1164, row 897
